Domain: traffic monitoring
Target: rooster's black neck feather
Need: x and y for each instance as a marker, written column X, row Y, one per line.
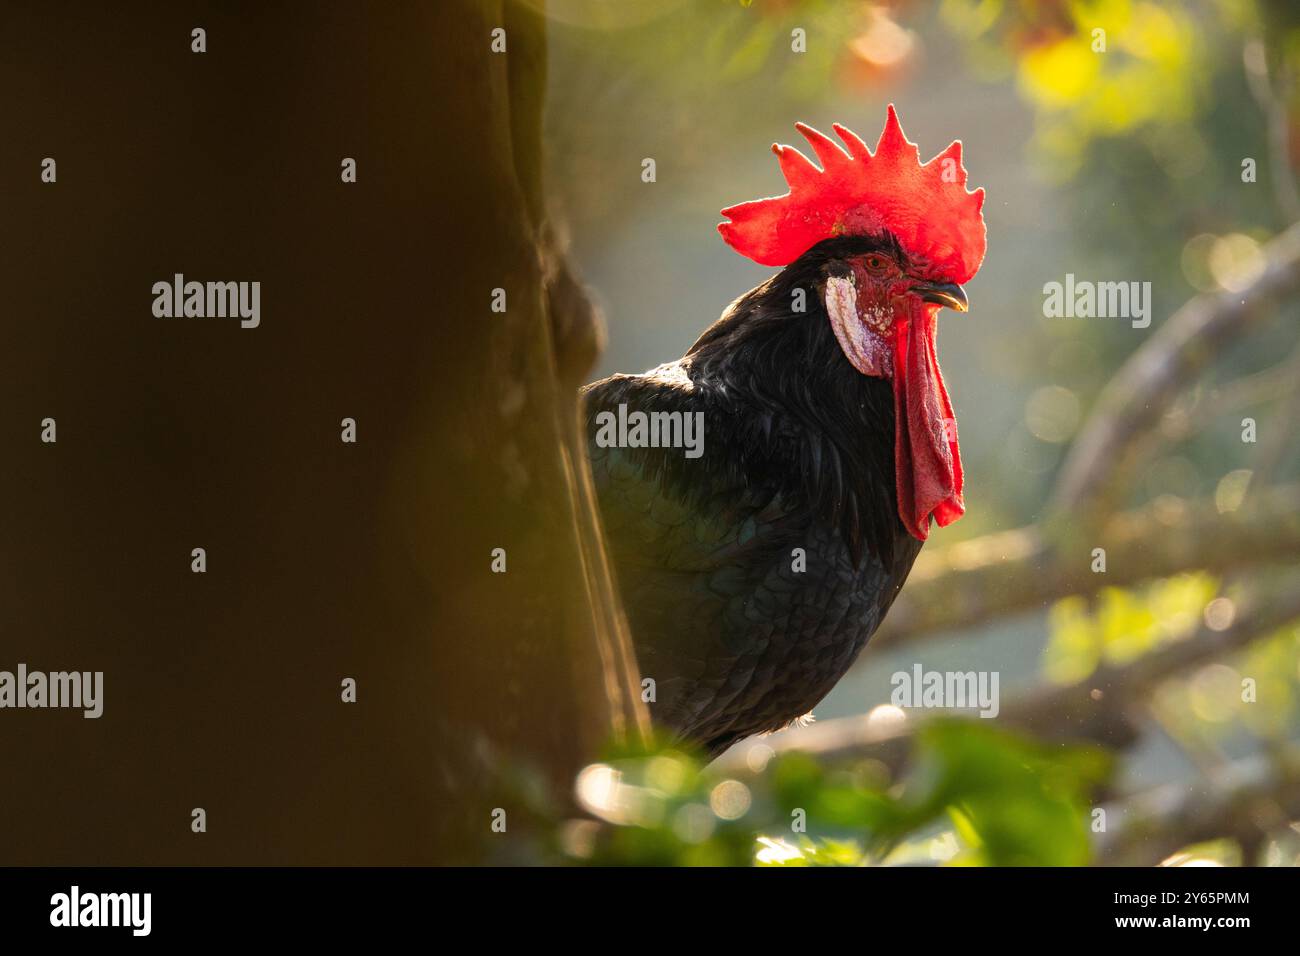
column 800, row 417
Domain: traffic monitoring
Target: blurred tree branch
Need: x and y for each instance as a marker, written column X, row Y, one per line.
column 1246, row 801
column 1098, row 709
column 1264, row 86
column 1278, row 381
column 1129, row 408
column 1274, row 445
column 1022, row 570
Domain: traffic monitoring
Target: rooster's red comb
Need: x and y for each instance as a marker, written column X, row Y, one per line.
column 927, row 208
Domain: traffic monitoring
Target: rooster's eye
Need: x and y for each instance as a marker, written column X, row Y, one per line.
column 876, row 263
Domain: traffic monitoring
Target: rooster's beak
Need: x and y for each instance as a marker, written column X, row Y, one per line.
column 944, row 293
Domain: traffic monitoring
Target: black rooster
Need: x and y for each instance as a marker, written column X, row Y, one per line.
column 754, row 574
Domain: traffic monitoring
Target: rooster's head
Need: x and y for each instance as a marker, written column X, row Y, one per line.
column 905, row 236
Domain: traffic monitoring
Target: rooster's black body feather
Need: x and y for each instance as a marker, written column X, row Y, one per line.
column 798, row 454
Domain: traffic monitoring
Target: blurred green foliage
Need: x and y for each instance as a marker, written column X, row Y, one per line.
column 1208, row 707
column 1100, row 68
column 1120, row 625
column 972, row 795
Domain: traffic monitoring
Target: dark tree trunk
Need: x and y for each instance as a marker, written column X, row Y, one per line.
column 325, row 560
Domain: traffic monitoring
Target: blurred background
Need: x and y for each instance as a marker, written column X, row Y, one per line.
column 1126, row 140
